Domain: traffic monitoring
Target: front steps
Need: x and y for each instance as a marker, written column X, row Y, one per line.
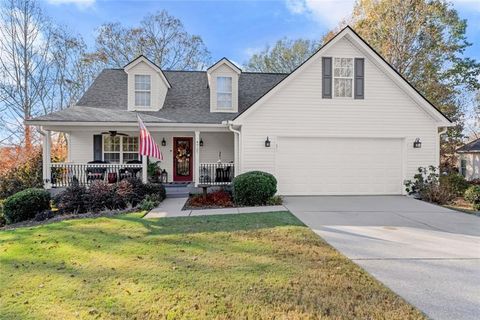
column 178, row 189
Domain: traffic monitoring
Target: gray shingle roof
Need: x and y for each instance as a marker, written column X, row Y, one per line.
column 473, row 146
column 188, row 101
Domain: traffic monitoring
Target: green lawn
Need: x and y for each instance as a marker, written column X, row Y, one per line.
column 255, row 266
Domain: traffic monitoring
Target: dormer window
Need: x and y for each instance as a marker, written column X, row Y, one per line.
column 343, row 77
column 224, row 93
column 142, row 90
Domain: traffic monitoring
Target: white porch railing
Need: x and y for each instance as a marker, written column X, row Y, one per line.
column 66, row 174
column 216, row 173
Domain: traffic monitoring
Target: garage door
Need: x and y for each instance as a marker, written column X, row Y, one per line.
column 334, row 166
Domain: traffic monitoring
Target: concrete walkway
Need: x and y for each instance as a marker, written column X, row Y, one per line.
column 427, row 254
column 172, row 207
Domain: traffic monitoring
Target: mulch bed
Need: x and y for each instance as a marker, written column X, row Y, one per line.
column 213, row 200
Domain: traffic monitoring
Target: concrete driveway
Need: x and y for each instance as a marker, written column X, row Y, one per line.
column 427, row 254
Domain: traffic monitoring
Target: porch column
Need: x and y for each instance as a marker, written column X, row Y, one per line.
column 196, row 158
column 236, row 154
column 46, row 157
column 144, row 169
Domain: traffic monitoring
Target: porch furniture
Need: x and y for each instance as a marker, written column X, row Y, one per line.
column 95, row 173
column 130, row 172
column 216, row 173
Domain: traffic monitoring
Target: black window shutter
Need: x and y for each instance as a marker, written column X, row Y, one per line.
column 97, row 147
column 327, row 77
column 359, row 86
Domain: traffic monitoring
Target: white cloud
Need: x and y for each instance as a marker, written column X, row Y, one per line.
column 327, row 12
column 78, row 3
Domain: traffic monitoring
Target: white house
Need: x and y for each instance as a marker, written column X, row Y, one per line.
column 344, row 122
column 469, row 160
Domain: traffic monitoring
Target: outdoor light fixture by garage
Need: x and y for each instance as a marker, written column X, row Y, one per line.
column 267, row 143
column 201, row 142
column 417, row 143
column 164, row 143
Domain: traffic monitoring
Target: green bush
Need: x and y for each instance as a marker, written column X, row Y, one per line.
column 157, row 190
column 426, row 185
column 73, row 200
column 472, row 195
column 24, row 205
column 455, row 182
column 150, row 202
column 253, row 188
column 275, row 201
column 2, row 217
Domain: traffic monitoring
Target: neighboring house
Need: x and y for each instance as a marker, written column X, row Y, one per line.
column 469, row 160
column 344, row 122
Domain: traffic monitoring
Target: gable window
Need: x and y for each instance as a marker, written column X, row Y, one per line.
column 343, row 77
column 142, row 90
column 120, row 149
column 224, row 93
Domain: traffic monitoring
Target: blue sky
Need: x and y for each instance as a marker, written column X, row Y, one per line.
column 234, row 29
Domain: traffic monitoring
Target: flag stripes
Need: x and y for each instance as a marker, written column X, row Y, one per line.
column 147, row 146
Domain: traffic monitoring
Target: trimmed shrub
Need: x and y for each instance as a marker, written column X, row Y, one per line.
column 150, row 202
column 455, row 182
column 132, row 191
column 472, row 195
column 254, row 188
column 156, row 189
column 24, row 205
column 73, row 200
column 101, row 196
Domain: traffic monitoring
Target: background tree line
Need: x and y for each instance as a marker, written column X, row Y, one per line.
column 424, row 40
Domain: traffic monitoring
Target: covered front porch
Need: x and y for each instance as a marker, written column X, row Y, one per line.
column 191, row 155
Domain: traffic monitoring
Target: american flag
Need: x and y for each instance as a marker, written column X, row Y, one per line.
column 148, row 147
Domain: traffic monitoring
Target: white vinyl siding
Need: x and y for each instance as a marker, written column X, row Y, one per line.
column 148, row 97
column 297, row 109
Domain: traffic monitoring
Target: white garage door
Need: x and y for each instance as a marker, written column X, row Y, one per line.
column 331, row 166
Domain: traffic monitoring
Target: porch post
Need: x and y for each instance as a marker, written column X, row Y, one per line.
column 46, row 160
column 236, row 154
column 196, row 158
column 144, row 169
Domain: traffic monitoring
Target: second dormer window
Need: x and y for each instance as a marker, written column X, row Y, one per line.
column 224, row 93
column 142, row 90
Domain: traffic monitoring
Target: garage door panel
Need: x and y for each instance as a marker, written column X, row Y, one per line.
column 339, row 166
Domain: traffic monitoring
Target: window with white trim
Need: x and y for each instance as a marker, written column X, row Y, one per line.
column 343, row 77
column 142, row 90
column 120, row 149
column 224, row 93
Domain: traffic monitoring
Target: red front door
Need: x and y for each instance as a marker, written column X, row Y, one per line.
column 182, row 159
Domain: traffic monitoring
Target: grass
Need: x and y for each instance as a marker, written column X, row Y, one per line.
column 256, row 266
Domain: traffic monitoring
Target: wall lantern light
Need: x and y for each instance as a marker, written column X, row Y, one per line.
column 164, row 143
column 201, row 142
column 417, row 143
column 267, row 143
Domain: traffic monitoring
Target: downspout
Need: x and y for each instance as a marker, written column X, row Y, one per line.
column 239, row 147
